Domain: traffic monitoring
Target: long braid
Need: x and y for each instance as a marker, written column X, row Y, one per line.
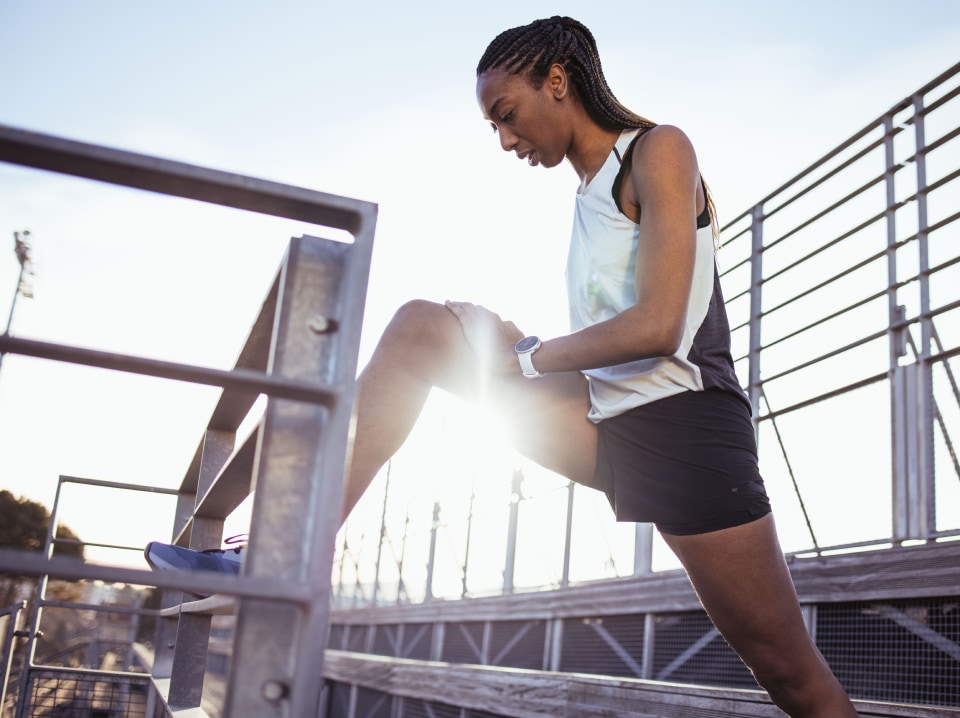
column 534, row 48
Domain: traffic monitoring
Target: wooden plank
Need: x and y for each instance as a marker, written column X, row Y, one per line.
column 535, row 694
column 885, row 574
column 216, row 605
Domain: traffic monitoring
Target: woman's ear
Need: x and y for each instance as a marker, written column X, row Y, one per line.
column 558, row 81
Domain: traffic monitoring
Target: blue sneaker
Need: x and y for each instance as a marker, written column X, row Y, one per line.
column 167, row 556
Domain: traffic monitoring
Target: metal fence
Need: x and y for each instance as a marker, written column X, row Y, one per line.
column 300, row 357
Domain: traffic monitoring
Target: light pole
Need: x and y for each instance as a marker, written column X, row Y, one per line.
column 22, row 249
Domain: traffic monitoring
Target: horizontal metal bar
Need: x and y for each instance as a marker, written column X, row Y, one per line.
column 235, row 379
column 883, row 543
column 936, row 144
column 9, row 610
column 942, row 223
column 823, row 397
column 117, row 485
column 826, row 283
column 833, row 173
column 77, row 542
column 941, row 101
column 866, row 300
column 827, row 210
column 100, row 607
column 129, row 169
column 732, row 268
column 829, row 245
column 880, row 334
column 870, row 127
column 35, row 564
column 946, row 179
column 824, row 320
column 82, row 673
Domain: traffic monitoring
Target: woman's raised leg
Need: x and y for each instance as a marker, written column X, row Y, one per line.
column 424, row 347
column 743, row 582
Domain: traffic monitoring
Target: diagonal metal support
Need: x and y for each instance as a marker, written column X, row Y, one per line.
column 477, row 651
column 615, row 646
column 693, row 650
column 920, row 630
column 517, row 637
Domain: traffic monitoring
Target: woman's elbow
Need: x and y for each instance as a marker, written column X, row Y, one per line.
column 666, row 340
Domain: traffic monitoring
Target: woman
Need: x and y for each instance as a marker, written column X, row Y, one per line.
column 640, row 400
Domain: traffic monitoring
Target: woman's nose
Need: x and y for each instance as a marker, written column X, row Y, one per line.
column 507, row 140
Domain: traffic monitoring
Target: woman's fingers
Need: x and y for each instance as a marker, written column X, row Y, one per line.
column 490, row 338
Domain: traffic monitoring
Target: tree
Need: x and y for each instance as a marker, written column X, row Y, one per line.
column 23, row 525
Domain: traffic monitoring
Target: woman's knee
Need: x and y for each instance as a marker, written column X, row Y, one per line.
column 797, row 678
column 422, row 324
column 425, row 338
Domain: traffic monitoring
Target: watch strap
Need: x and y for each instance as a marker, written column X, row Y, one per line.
column 526, row 365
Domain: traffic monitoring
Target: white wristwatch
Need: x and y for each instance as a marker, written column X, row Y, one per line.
column 525, row 349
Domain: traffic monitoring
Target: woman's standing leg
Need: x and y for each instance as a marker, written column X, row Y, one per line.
column 743, row 582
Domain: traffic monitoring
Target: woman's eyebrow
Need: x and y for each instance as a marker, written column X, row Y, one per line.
column 493, row 108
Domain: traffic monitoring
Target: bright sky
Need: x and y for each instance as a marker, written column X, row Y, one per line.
column 373, row 100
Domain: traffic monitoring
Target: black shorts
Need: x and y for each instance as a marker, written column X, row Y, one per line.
column 687, row 463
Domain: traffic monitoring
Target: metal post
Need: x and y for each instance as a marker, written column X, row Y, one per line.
column 568, row 536
column 277, row 664
column 926, row 497
column 516, row 488
column 383, row 536
column 193, row 629
column 754, row 386
column 649, row 639
column 165, row 643
column 897, row 333
column 6, row 663
column 432, row 557
column 466, row 549
column 36, row 611
column 643, row 550
column 554, row 644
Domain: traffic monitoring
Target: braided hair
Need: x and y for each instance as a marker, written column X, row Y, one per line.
column 534, row 48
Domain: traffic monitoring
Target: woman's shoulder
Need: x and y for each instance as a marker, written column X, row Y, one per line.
column 663, row 158
column 661, row 139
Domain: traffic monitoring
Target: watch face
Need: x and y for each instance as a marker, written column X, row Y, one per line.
column 527, row 344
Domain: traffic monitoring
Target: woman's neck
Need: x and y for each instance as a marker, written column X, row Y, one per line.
column 591, row 150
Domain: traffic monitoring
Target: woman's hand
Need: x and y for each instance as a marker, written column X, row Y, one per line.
column 491, row 339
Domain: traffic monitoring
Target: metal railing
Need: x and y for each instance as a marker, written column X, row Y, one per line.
column 302, row 356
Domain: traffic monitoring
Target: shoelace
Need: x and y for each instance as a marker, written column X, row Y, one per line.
column 237, row 539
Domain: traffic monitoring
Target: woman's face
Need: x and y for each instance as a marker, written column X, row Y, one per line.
column 528, row 119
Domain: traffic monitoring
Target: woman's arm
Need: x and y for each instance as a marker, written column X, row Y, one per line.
column 664, row 179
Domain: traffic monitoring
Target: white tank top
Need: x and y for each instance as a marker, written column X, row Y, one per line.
column 601, row 272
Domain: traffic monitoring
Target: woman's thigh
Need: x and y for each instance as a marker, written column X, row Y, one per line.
column 546, row 420
column 743, row 582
